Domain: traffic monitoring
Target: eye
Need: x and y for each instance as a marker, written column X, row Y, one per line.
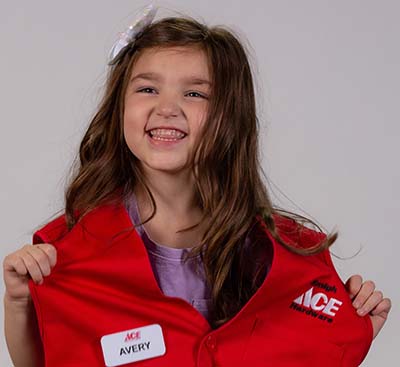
column 146, row 90
column 196, row 94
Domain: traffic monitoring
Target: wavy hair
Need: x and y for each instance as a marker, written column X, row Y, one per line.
column 225, row 163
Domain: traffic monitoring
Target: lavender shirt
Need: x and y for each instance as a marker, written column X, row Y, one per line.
column 175, row 277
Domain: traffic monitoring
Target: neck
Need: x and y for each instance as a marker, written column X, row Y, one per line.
column 174, row 195
column 176, row 209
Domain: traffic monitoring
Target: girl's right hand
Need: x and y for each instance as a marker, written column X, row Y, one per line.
column 28, row 262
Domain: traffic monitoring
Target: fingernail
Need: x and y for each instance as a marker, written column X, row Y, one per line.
column 361, row 311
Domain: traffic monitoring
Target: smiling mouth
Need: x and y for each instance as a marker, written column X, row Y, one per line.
column 165, row 139
column 166, row 135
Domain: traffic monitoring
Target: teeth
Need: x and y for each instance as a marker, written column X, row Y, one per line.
column 166, row 133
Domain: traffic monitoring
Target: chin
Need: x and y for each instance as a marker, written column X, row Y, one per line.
column 167, row 168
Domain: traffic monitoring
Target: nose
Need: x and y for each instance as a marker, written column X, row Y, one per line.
column 167, row 106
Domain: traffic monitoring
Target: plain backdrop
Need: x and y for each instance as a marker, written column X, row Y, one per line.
column 327, row 77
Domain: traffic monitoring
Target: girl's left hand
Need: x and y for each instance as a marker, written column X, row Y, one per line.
column 368, row 300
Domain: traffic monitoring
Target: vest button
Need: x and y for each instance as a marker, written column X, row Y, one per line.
column 211, row 342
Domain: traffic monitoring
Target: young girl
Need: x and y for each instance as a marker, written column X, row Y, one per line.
column 170, row 252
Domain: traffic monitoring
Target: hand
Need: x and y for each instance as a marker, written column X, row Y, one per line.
column 28, row 262
column 368, row 300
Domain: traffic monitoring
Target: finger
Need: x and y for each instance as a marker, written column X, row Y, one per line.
column 32, row 267
column 353, row 285
column 41, row 258
column 383, row 308
column 50, row 251
column 371, row 302
column 366, row 290
column 15, row 263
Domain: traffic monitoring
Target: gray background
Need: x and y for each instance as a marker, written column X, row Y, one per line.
column 328, row 90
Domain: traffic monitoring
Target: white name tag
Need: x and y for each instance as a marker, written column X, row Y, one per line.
column 133, row 345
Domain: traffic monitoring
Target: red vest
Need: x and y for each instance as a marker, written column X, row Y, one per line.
column 103, row 283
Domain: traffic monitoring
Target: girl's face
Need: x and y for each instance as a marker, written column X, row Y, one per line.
column 165, row 106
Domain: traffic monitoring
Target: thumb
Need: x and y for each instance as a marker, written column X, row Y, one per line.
column 377, row 323
column 379, row 315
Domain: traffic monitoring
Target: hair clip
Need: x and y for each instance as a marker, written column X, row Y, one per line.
column 126, row 38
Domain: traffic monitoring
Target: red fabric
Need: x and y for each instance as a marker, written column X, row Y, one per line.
column 103, row 283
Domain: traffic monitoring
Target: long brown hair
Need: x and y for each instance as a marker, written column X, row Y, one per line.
column 225, row 162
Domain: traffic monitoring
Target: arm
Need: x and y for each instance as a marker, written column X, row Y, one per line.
column 22, row 333
column 20, row 323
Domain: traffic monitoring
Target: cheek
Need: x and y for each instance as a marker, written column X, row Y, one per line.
column 132, row 129
column 134, row 121
column 199, row 117
column 132, row 138
column 134, row 110
column 199, row 120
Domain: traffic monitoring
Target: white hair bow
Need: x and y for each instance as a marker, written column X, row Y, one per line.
column 125, row 38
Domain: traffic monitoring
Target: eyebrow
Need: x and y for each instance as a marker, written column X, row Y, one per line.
column 156, row 77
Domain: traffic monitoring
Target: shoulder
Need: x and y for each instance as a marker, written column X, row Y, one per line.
column 102, row 222
column 50, row 232
column 298, row 237
column 296, row 233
